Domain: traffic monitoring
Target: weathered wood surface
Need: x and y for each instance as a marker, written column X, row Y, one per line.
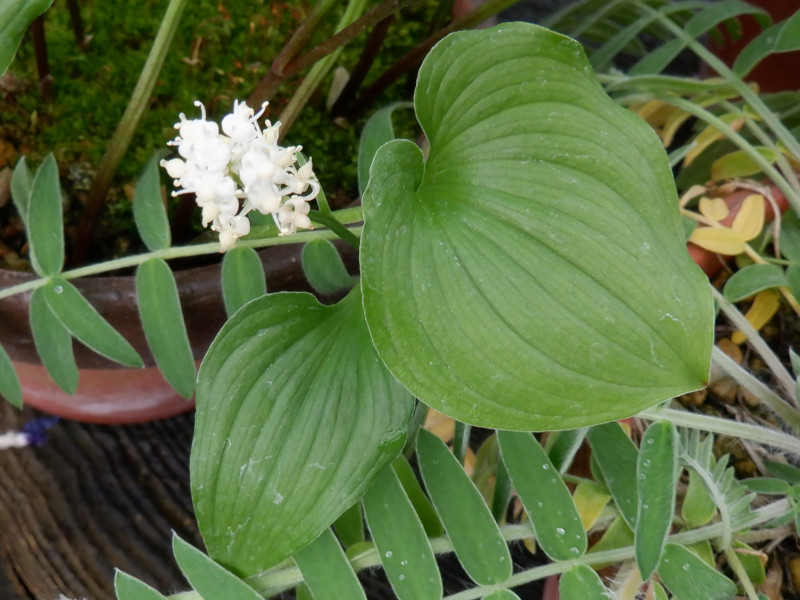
column 91, row 499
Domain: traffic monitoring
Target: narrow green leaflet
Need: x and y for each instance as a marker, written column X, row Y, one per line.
column 425, row 511
column 130, row 588
column 210, row 579
column 657, row 480
column 86, row 324
column 497, row 274
column 403, row 547
column 243, row 278
column 657, row 60
column 558, row 526
column 617, row 456
column 21, row 184
column 15, row 17
column 377, row 131
column 324, row 268
column 581, row 583
column 781, row 37
column 752, row 279
column 563, row 445
column 164, row 328
column 688, row 577
column 476, row 538
column 45, row 220
column 53, row 343
column 149, row 212
column 698, row 505
column 349, row 526
column 10, row 387
column 281, row 393
column 326, row 571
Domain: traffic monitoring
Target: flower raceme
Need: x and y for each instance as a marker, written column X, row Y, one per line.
column 244, row 162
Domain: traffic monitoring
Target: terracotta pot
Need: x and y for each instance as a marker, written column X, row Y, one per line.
column 710, row 262
column 107, row 392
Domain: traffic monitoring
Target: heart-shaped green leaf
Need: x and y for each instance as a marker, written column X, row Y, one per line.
column 532, row 273
column 295, row 416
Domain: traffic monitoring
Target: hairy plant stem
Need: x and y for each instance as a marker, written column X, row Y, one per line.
column 745, row 379
column 781, row 373
column 285, row 578
column 122, row 136
column 346, row 216
column 762, row 435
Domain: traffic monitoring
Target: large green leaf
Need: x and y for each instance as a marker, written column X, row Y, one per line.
column 532, row 274
column 15, row 16
column 149, row 212
column 295, row 416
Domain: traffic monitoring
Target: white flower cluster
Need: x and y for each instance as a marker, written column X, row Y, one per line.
column 243, row 163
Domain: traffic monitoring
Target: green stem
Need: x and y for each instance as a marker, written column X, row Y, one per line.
column 127, row 126
column 746, row 380
column 748, row 95
column 318, row 72
column 781, row 373
column 347, row 216
column 330, row 222
column 741, row 574
column 762, row 435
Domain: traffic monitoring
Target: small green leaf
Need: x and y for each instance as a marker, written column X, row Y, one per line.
column 788, row 473
column 21, row 184
column 164, row 328
column 751, row 561
column 503, row 492
column 617, row 457
column 618, row 535
column 15, row 17
column 45, row 220
column 425, row 511
column 781, row 37
column 243, row 278
column 86, row 324
column 740, row 164
column 349, row 526
column 53, row 343
column 501, row 595
column 377, row 131
column 326, row 570
column 324, row 268
column 581, row 583
column 563, row 445
column 752, row 279
column 555, row 519
column 149, row 212
column 659, row 592
column 766, row 485
column 657, row 480
column 790, row 236
column 793, row 276
column 210, row 579
column 280, row 393
column 403, row 547
column 476, row 538
column 130, row 588
column 689, row 578
column 10, row 387
column 698, row 505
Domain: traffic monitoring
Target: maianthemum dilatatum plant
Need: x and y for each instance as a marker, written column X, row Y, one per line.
column 524, row 270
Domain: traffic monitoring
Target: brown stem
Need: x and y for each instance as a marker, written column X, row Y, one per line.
column 284, row 65
column 414, row 57
column 362, row 67
column 77, row 24
column 42, row 63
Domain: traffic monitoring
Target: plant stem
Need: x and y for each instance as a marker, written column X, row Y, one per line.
column 42, row 63
column 785, row 379
column 347, row 216
column 741, row 574
column 278, row 580
column 777, row 404
column 756, row 433
column 125, row 129
column 318, row 72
